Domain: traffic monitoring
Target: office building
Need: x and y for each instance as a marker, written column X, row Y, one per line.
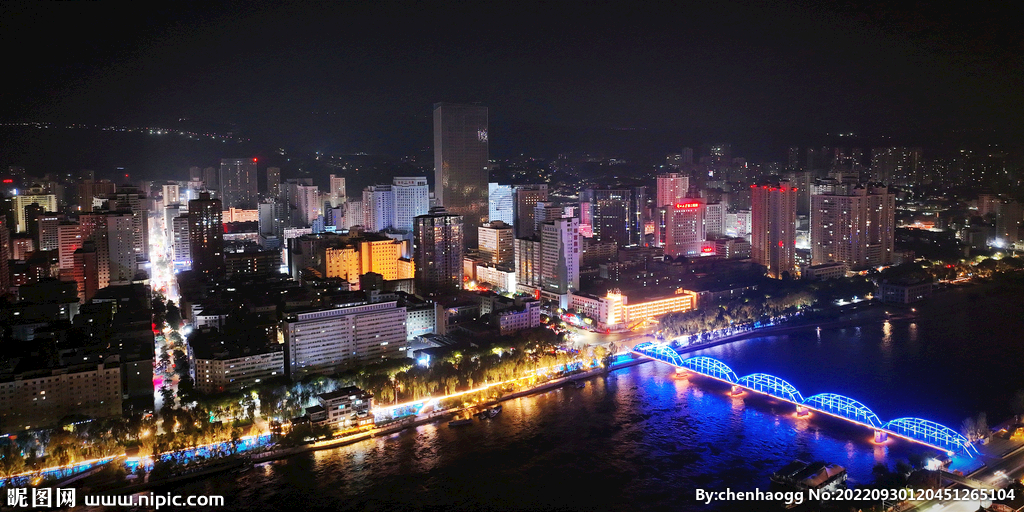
column 171, row 194
column 69, row 240
column 411, row 199
column 773, row 228
column 273, row 217
column 853, row 225
column 40, row 398
column 611, row 215
column 238, row 183
column 460, row 164
column 206, row 234
column 438, row 250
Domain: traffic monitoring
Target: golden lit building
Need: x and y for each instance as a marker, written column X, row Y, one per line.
column 613, row 311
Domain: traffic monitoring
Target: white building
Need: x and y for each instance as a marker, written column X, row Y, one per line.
column 326, row 340
column 32, row 400
column 560, row 258
column 496, row 242
column 672, row 188
column 337, row 195
column 411, row 199
column 378, row 208
column 500, row 203
column 526, row 316
column 225, row 370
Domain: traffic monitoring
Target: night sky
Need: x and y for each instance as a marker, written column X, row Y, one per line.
column 362, row 76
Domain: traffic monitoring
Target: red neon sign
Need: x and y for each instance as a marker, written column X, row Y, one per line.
column 707, row 249
column 687, row 206
column 8, row 181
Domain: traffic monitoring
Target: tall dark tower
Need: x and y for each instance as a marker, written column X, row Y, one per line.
column 206, row 234
column 460, row 163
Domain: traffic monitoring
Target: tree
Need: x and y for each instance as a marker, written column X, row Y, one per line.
column 12, row 462
column 969, row 429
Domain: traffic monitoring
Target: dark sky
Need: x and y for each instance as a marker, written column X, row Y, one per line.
column 363, row 75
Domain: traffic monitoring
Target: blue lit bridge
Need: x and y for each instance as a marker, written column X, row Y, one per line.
column 917, row 430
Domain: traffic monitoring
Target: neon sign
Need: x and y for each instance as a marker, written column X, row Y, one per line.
column 707, row 249
column 687, row 206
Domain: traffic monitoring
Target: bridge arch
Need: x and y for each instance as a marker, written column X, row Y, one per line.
column 772, row 386
column 659, row 352
column 711, row 367
column 931, row 433
column 844, row 407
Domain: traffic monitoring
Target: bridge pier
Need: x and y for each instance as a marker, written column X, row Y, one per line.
column 736, row 390
column 802, row 412
column 881, row 436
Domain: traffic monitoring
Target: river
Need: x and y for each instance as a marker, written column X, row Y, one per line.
column 639, row 439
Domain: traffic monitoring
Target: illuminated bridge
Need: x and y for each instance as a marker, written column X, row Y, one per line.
column 917, row 430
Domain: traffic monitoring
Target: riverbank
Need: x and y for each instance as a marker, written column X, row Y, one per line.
column 399, row 426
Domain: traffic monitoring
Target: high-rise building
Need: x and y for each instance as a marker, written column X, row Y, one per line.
column 793, row 159
column 1009, row 220
column 273, row 217
column 90, row 188
column 274, row 181
column 171, row 194
column 438, row 250
column 411, row 199
column 525, row 199
column 560, row 256
column 529, row 263
column 69, row 240
column 773, row 227
column 496, row 242
column 206, row 234
column 181, row 252
column 238, row 183
column 714, row 220
column 131, row 199
column 672, row 188
column 896, row 166
column 337, row 195
column 84, row 270
column 499, row 203
column 112, row 235
column 306, row 198
column 47, row 235
column 460, row 163
column 378, row 207
column 5, row 255
column 611, row 215
column 684, row 228
column 210, row 181
column 37, row 195
column 854, row 225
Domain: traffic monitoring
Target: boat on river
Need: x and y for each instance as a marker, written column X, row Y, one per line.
column 459, row 423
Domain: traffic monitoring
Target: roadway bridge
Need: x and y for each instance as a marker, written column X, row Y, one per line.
column 917, row 430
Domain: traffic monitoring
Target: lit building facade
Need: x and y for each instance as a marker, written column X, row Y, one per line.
column 854, row 225
column 773, row 227
column 237, row 183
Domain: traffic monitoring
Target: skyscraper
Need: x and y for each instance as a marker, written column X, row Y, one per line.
column 438, row 252
column 560, row 256
column 460, row 163
column 773, row 227
column 206, row 234
column 238, row 183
